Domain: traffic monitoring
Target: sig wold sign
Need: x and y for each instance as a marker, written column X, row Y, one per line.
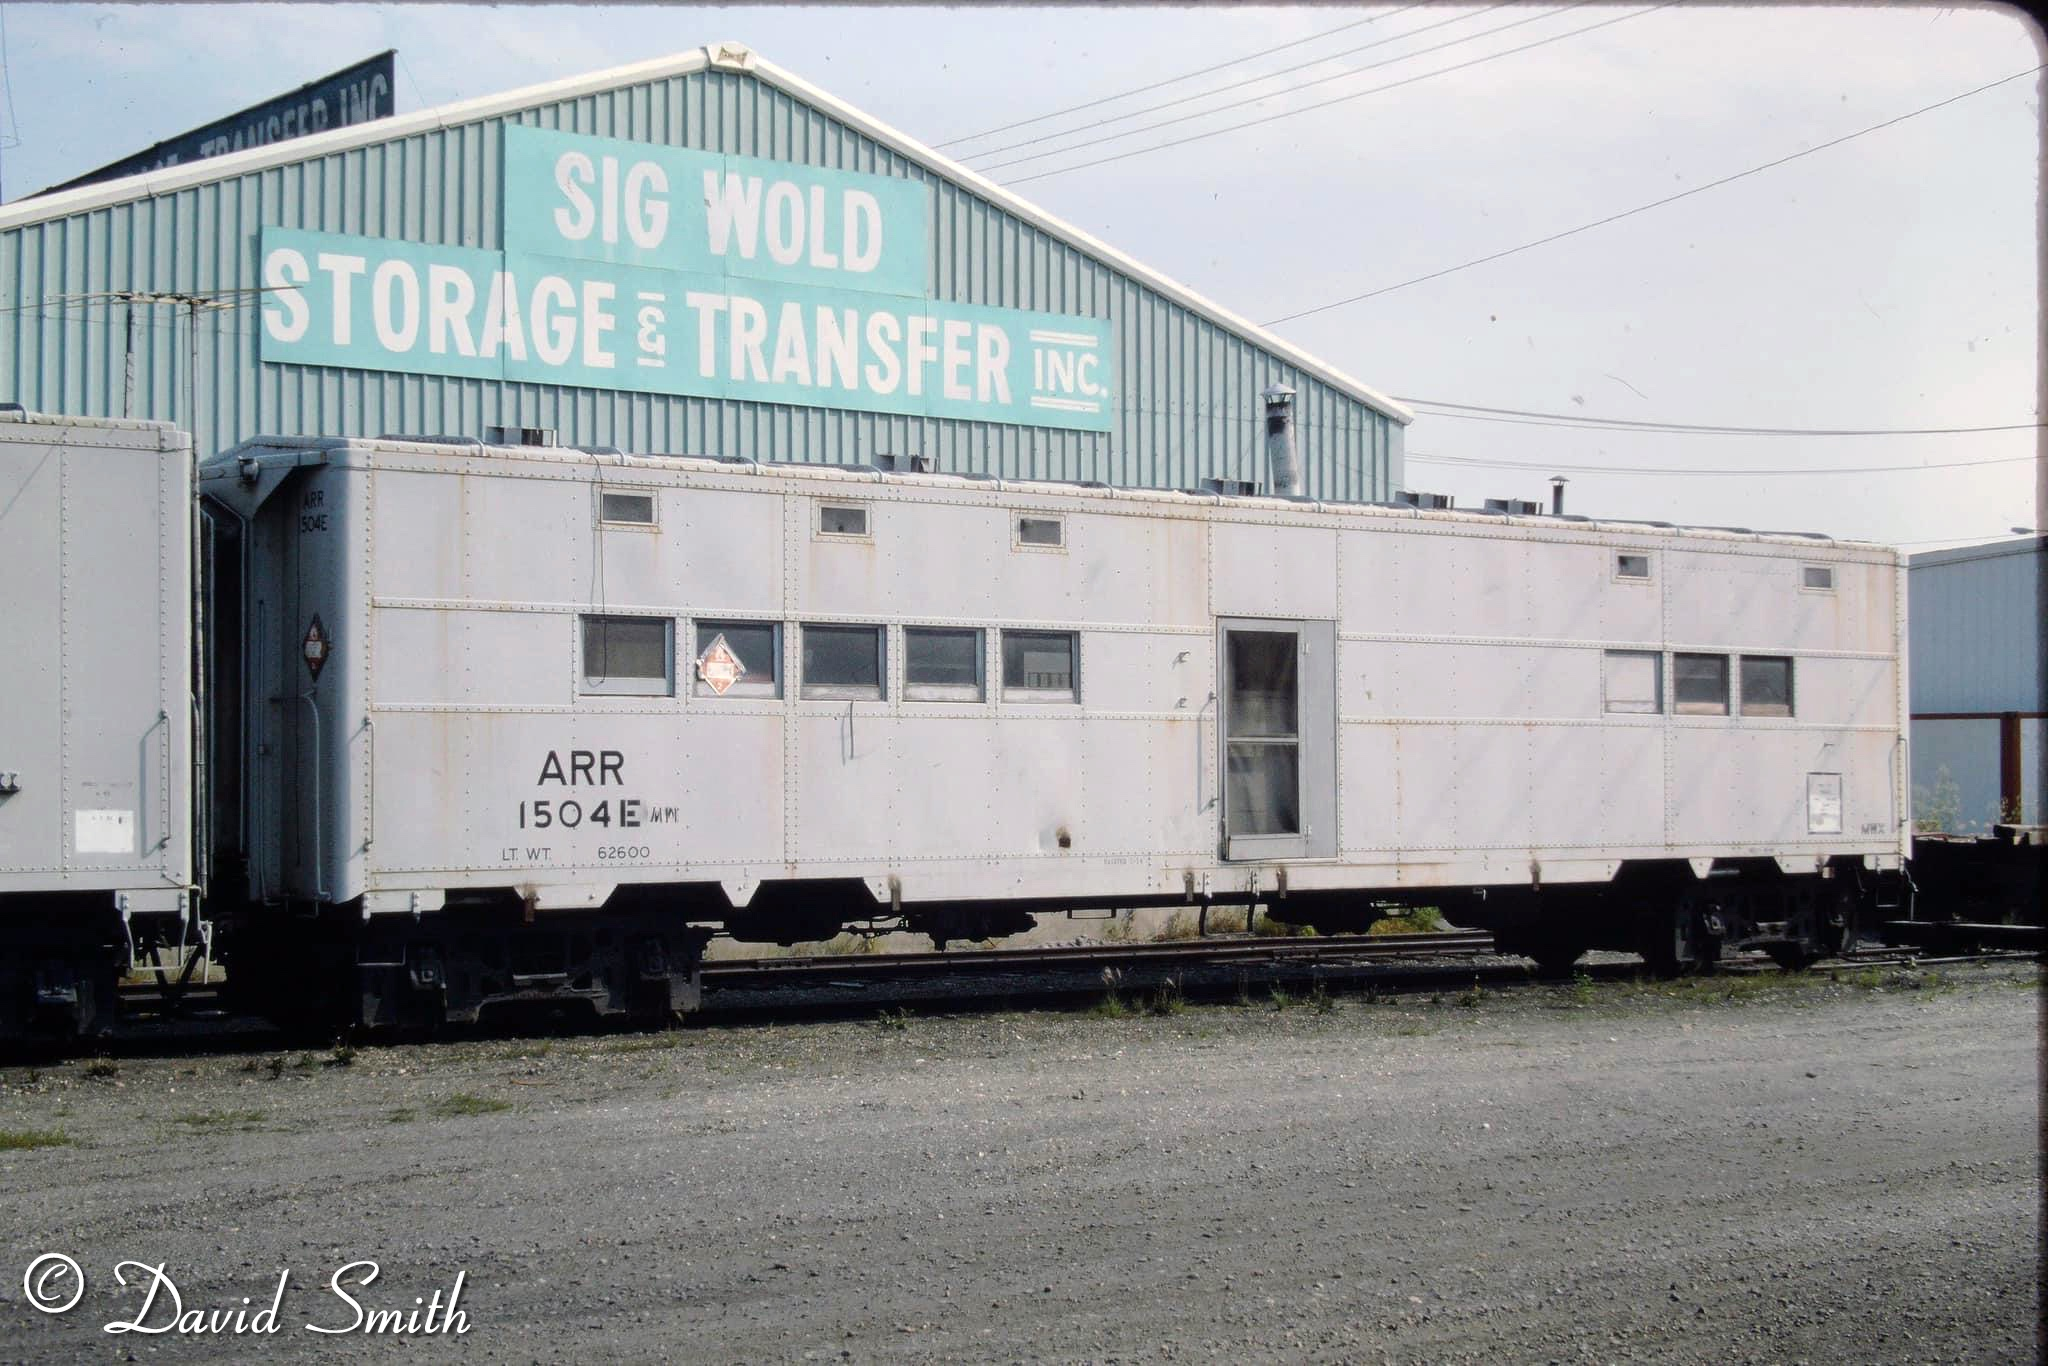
column 634, row 266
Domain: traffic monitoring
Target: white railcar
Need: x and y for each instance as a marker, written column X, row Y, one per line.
column 527, row 722
column 96, row 710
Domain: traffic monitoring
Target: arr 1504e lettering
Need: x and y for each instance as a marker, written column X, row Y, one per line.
column 595, row 768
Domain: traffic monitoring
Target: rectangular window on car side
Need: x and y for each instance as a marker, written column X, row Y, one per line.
column 738, row 659
column 842, row 662
column 1635, row 681
column 1632, row 566
column 1040, row 666
column 615, row 508
column 1766, row 685
column 1699, row 685
column 1818, row 577
column 632, row 656
column 843, row 519
column 1041, row 533
column 942, row 664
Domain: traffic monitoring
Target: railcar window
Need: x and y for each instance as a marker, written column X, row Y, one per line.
column 626, row 509
column 738, row 659
column 634, row 656
column 1817, row 576
column 1263, row 683
column 1262, row 715
column 1699, row 684
column 842, row 662
column 1045, row 532
column 1631, row 566
column 1038, row 666
column 1766, row 685
column 942, row 664
column 1635, row 681
column 842, row 519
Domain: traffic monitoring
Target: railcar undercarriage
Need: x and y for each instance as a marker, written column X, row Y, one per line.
column 640, row 956
column 1679, row 923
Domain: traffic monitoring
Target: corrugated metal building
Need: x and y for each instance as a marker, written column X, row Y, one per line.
column 1978, row 671
column 435, row 227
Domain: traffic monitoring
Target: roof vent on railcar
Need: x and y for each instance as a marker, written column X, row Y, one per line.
column 519, row 436
column 905, row 464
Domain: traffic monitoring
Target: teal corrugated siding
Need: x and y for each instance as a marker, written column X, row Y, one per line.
column 1188, row 407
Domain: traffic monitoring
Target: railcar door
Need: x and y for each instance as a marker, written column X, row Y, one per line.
column 1278, row 733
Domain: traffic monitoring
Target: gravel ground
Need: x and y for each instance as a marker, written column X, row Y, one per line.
column 1759, row 1169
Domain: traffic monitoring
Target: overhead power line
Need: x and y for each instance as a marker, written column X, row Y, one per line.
column 1253, row 80
column 1322, row 104
column 1171, row 80
column 1532, row 467
column 1523, row 417
column 1338, row 99
column 1640, row 208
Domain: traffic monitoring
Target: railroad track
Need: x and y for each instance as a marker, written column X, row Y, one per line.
column 753, row 973
column 817, row 984
column 1336, row 950
column 1347, row 950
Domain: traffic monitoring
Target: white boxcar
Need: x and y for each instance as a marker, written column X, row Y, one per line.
column 517, row 681
column 96, row 721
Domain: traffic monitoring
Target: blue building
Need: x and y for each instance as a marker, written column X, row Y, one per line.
column 1979, row 682
column 699, row 253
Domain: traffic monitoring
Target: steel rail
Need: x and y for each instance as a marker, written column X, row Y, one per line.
column 737, row 972
column 1336, row 951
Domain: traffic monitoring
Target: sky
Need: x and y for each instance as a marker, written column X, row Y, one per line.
column 1886, row 282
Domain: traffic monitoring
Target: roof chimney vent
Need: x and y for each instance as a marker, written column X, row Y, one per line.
column 519, row 436
column 1280, row 459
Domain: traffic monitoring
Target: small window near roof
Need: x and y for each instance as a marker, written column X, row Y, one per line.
column 1038, row 666
column 1817, row 576
column 634, row 656
column 1699, row 685
column 1628, row 566
column 1766, row 685
column 1044, row 533
column 842, row 662
column 842, row 519
column 942, row 664
column 626, row 509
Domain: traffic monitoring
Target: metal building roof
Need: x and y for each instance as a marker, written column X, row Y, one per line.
column 734, row 57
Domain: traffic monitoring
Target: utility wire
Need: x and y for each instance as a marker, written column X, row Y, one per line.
column 7, row 74
column 12, row 139
column 1320, row 80
column 1249, row 80
column 1474, row 462
column 1523, row 418
column 1338, row 99
column 1640, row 208
column 1170, row 80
